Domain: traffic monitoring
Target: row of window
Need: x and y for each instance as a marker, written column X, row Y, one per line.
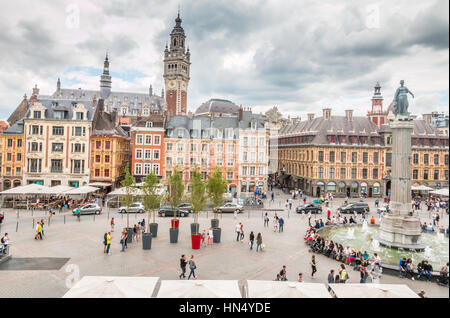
column 35, row 166
column 149, row 139
column 302, row 156
column 11, row 143
column 203, row 161
column 8, row 171
column 147, row 154
column 18, row 156
column 98, row 173
column 57, row 147
column 333, row 139
column 426, row 175
column 147, row 168
column 59, row 114
column 251, row 171
column 99, row 143
column 56, row 130
column 426, row 159
column 213, row 133
column 229, row 175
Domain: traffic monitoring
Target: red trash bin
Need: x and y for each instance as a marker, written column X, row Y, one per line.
column 175, row 223
column 196, row 240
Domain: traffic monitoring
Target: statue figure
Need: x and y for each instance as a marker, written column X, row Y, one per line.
column 401, row 101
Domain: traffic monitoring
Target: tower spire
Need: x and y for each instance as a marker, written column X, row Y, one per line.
column 105, row 79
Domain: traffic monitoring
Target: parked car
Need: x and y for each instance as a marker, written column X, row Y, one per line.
column 133, row 208
column 230, row 207
column 384, row 209
column 2, row 217
column 185, row 207
column 169, row 211
column 91, row 208
column 359, row 207
column 314, row 208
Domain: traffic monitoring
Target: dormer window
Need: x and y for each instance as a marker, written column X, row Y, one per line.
column 58, row 115
column 145, row 111
column 253, row 125
column 169, row 132
column 80, row 116
column 37, row 114
column 149, row 124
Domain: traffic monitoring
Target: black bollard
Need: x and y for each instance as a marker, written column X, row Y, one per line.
column 64, row 219
column 17, row 226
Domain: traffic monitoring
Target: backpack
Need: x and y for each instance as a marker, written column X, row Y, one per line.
column 3, row 240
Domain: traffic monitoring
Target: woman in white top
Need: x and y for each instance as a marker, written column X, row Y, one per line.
column 275, row 223
column 210, row 236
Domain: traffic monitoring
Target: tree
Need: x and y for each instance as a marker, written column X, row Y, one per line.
column 217, row 185
column 151, row 198
column 176, row 190
column 129, row 183
column 198, row 194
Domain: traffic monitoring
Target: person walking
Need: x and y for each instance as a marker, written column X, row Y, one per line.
column 313, row 265
column 251, row 239
column 183, row 263
column 108, row 242
column 78, row 211
column 242, row 233
column 275, row 223
column 290, row 204
column 203, row 237
column 331, row 278
column 309, row 218
column 272, row 197
column 192, row 267
column 343, row 274
column 210, row 236
column 238, row 231
column 266, row 220
column 258, row 242
column 42, row 227
column 112, row 224
column 123, row 239
column 38, row 231
column 104, row 242
column 5, row 241
column 281, row 224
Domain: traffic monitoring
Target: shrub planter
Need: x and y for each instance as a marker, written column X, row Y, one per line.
column 154, row 229
column 174, row 235
column 196, row 241
column 195, row 228
column 216, row 235
column 147, row 241
column 130, row 232
column 214, row 223
column 175, row 223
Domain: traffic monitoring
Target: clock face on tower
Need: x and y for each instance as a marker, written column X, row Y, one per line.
column 172, row 84
column 184, row 85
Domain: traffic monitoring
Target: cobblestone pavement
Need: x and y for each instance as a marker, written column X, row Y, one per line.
column 82, row 242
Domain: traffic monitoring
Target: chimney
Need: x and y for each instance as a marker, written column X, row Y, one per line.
column 428, row 118
column 349, row 114
column 327, row 113
column 241, row 110
column 114, row 116
column 310, row 116
column 35, row 90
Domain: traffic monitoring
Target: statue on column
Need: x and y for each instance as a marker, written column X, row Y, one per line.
column 401, row 101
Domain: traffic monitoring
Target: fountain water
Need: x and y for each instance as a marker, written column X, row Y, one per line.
column 427, row 252
column 365, row 227
column 350, row 233
column 375, row 245
column 440, row 237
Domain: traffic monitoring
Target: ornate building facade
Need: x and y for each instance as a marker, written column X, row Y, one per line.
column 350, row 155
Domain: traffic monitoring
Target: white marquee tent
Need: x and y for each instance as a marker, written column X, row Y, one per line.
column 372, row 291
column 421, row 188
column 441, row 192
column 199, row 289
column 81, row 190
column 113, row 287
column 277, row 289
column 32, row 188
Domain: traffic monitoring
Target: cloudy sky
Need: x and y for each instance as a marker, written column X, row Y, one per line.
column 300, row 55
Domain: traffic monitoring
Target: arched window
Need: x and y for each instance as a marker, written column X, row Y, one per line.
column 175, row 42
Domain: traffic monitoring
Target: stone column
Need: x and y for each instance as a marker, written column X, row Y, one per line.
column 401, row 167
column 400, row 229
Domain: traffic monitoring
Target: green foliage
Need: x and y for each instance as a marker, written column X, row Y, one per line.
column 198, row 194
column 216, row 186
column 129, row 183
column 176, row 189
column 151, row 198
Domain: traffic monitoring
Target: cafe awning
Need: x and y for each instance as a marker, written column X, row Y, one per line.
column 277, row 289
column 81, row 190
column 32, row 188
column 113, row 287
column 199, row 289
column 372, row 291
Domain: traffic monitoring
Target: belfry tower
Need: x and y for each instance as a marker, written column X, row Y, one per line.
column 176, row 70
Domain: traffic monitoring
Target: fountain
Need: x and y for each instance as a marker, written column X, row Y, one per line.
column 400, row 228
column 399, row 234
